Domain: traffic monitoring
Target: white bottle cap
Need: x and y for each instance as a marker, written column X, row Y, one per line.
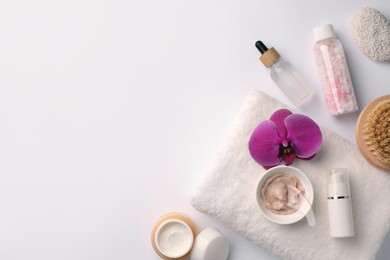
column 324, row 32
column 338, row 183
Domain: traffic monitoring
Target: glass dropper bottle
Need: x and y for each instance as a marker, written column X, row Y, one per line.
column 285, row 75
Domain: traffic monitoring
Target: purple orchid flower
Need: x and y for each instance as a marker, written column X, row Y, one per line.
column 284, row 137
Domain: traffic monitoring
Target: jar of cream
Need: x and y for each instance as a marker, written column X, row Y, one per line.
column 173, row 236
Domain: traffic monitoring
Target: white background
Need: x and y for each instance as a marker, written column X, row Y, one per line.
column 110, row 110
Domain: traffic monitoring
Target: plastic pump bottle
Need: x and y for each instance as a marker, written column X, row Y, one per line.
column 288, row 78
column 339, row 204
column 334, row 74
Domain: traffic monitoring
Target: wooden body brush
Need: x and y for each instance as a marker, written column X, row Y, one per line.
column 373, row 132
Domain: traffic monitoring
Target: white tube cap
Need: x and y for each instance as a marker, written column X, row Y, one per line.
column 324, row 32
column 210, row 245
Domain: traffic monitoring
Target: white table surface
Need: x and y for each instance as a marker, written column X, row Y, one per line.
column 110, row 110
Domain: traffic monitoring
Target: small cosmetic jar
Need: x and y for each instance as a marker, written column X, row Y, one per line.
column 173, row 236
column 303, row 209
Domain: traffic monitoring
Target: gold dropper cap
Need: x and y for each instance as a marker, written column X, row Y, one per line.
column 269, row 56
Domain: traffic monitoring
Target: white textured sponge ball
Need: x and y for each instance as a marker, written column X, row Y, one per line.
column 371, row 33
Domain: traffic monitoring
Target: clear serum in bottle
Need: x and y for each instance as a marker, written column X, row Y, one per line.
column 339, row 204
column 285, row 75
column 334, row 73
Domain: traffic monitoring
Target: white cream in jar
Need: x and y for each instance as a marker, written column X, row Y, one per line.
column 174, row 238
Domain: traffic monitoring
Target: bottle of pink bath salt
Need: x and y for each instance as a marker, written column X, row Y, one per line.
column 334, row 74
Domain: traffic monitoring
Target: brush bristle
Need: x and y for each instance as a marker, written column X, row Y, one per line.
column 377, row 131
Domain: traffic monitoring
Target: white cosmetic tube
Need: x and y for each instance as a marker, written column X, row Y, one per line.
column 339, row 204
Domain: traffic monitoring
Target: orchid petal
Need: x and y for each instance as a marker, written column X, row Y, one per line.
column 264, row 144
column 278, row 118
column 288, row 159
column 307, row 159
column 304, row 134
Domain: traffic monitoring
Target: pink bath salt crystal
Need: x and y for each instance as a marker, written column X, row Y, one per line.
column 332, row 105
column 337, row 85
column 343, row 96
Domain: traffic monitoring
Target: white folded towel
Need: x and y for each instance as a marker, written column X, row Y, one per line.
column 227, row 193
